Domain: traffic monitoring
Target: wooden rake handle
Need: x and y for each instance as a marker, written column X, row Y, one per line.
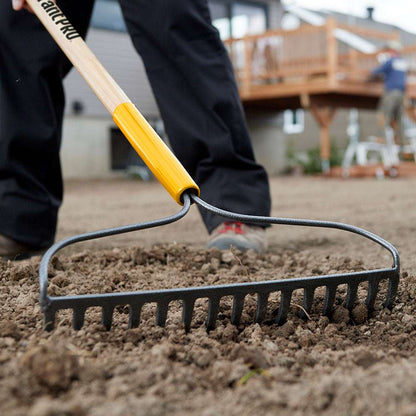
column 150, row 147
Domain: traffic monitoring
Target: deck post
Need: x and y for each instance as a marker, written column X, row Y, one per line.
column 248, row 56
column 332, row 52
column 353, row 61
column 324, row 116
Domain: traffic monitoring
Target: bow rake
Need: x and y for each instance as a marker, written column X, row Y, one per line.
column 188, row 296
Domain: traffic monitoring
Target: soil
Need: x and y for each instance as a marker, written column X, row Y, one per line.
column 346, row 364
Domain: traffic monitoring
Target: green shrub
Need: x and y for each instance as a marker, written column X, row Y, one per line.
column 310, row 160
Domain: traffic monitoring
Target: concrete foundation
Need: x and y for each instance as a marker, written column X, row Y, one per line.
column 269, row 140
column 85, row 151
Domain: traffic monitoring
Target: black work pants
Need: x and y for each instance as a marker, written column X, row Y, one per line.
column 194, row 86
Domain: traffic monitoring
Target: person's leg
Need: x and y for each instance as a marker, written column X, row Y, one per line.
column 383, row 115
column 193, row 82
column 31, row 111
column 398, row 118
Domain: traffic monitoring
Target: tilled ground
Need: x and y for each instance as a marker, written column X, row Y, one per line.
column 345, row 364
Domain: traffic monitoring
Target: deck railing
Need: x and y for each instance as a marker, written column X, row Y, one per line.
column 306, row 54
column 277, row 55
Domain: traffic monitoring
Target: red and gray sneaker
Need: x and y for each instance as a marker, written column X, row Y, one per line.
column 236, row 234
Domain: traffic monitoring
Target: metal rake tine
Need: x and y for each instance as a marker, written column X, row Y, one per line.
column 329, row 299
column 391, row 291
column 308, row 296
column 372, row 294
column 78, row 318
column 187, row 312
column 238, row 305
column 262, row 299
column 107, row 316
column 285, row 299
column 134, row 315
column 213, row 308
column 49, row 320
column 162, row 313
column 351, row 295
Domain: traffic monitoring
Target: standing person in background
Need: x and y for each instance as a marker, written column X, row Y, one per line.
column 193, row 82
column 393, row 69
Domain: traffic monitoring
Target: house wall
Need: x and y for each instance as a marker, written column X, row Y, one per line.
column 269, row 140
column 85, row 151
column 117, row 54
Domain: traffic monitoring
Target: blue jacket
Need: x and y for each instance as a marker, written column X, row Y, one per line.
column 394, row 71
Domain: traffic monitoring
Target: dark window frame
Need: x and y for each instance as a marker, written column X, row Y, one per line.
column 229, row 4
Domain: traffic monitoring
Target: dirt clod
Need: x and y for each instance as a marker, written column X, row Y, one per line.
column 340, row 315
column 359, row 314
column 52, row 366
column 9, row 329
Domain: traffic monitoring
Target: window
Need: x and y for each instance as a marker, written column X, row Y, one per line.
column 293, row 121
column 220, row 18
column 122, row 154
column 248, row 19
column 107, row 15
column 237, row 18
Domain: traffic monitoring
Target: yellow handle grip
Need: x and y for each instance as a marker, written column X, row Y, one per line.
column 154, row 152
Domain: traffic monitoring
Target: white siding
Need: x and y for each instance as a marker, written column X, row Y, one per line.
column 116, row 52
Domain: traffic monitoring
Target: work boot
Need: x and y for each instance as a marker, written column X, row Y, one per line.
column 238, row 235
column 12, row 250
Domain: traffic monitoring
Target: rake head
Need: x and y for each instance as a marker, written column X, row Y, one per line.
column 188, row 296
column 172, row 175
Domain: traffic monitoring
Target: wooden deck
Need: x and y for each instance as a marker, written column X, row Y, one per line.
column 285, row 69
column 309, row 68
